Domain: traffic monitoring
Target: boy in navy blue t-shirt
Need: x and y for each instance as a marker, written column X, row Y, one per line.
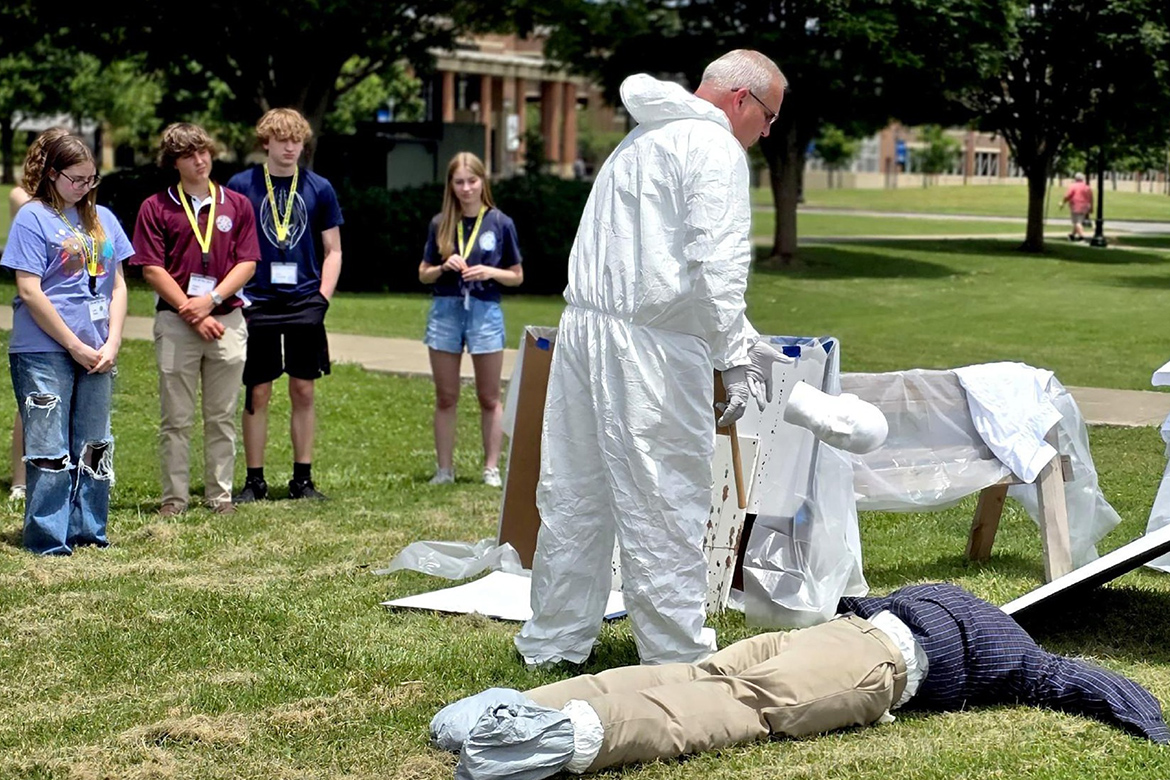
column 298, row 221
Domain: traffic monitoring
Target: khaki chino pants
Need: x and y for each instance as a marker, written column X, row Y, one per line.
column 185, row 359
column 797, row 683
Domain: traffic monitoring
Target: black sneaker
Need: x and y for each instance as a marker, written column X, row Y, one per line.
column 304, row 488
column 254, row 490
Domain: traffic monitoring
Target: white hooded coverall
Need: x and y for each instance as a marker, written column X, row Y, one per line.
column 655, row 301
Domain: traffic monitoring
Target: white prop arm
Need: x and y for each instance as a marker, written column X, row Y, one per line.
column 843, row 421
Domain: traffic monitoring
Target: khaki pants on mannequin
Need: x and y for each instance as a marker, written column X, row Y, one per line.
column 184, row 361
column 835, row 675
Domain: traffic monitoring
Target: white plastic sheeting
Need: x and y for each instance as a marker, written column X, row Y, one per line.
column 804, row 552
column 1160, row 511
column 455, row 560
column 935, row 455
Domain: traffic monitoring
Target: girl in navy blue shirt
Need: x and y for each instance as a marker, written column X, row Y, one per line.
column 471, row 250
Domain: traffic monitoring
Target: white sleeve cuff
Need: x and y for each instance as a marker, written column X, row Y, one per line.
column 587, row 735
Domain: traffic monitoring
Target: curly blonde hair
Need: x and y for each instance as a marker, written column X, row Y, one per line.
column 282, row 124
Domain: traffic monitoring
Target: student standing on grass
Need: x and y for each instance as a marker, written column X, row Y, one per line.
column 66, row 331
column 295, row 211
column 197, row 245
column 471, row 250
column 34, row 161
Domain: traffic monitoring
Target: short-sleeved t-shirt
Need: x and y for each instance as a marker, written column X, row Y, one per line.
column 163, row 237
column 495, row 244
column 314, row 210
column 41, row 244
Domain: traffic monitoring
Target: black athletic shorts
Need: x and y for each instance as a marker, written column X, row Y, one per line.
column 287, row 338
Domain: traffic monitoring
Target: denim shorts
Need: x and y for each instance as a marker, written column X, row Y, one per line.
column 451, row 327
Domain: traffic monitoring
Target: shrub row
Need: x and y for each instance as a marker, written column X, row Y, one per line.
column 385, row 231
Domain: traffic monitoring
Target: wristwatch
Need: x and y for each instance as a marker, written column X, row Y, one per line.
column 216, row 298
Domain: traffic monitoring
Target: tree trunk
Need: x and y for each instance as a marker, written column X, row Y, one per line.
column 1037, row 188
column 785, row 166
column 6, row 143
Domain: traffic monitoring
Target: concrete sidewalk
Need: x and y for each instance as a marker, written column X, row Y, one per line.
column 407, row 357
column 1100, row 406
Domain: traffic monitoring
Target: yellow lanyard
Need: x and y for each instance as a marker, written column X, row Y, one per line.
column 281, row 223
column 464, row 248
column 205, row 239
column 88, row 250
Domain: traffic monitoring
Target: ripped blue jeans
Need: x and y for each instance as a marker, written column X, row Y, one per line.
column 68, row 450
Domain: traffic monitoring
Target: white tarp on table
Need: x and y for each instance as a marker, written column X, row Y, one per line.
column 936, row 452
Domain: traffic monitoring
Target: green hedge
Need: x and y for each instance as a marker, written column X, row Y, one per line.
column 384, row 232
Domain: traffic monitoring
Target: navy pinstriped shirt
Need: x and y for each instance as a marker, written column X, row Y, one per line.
column 978, row 655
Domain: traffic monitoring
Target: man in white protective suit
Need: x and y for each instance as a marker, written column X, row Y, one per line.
column 655, row 302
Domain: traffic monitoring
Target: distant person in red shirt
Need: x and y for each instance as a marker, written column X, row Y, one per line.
column 1080, row 204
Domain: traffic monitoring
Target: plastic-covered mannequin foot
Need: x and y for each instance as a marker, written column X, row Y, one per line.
column 844, row 421
column 518, row 742
column 452, row 724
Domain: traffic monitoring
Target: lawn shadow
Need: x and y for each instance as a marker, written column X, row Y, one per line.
column 13, row 537
column 849, row 262
column 1121, row 622
column 947, row 568
column 1148, row 282
column 1010, row 248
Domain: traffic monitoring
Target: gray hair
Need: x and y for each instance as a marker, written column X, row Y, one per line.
column 1079, row 177
column 744, row 68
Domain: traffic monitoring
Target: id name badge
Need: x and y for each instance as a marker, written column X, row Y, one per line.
column 284, row 273
column 99, row 310
column 200, row 285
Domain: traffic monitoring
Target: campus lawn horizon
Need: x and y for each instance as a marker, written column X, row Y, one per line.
column 204, row 647
column 995, row 200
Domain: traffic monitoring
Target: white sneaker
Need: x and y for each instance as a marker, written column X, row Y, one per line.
column 491, row 477
column 443, row 477
column 16, row 493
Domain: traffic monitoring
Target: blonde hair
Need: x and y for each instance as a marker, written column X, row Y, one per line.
column 181, row 139
column 452, row 211
column 34, row 158
column 283, row 124
column 62, row 153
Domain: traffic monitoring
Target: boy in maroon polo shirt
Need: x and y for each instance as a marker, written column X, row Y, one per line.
column 197, row 244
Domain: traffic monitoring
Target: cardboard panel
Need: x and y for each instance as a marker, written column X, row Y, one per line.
column 519, row 520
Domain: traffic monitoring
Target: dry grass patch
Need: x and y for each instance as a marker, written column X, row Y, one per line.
column 219, row 731
column 431, row 766
column 345, row 706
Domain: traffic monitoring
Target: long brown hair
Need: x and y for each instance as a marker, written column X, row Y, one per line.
column 64, row 152
column 34, row 158
column 452, row 211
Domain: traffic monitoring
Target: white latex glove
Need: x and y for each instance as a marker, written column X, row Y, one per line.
column 759, row 374
column 735, row 381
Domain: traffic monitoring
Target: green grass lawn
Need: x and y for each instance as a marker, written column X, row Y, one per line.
column 818, row 225
column 1009, row 200
column 1096, row 317
column 254, row 645
column 5, row 217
